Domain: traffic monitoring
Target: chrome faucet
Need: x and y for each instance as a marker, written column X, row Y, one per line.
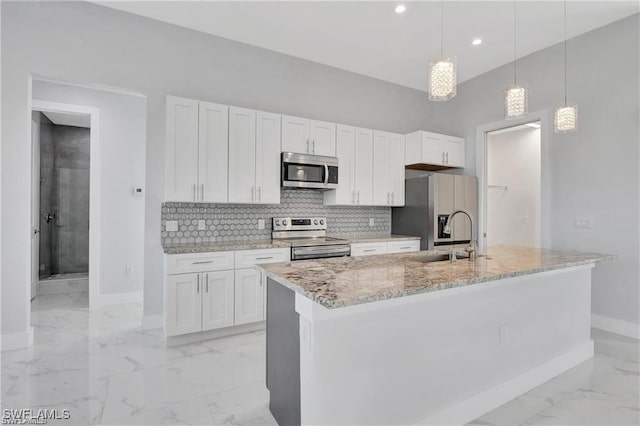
column 471, row 249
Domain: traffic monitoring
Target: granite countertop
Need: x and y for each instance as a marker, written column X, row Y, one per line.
column 212, row 246
column 381, row 238
column 339, row 282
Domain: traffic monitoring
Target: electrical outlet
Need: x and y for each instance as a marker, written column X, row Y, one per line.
column 128, row 271
column 202, row 225
column 503, row 335
column 42, row 266
column 371, row 222
column 171, row 225
column 583, row 222
column 260, row 223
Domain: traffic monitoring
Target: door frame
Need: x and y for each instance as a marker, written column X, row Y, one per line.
column 545, row 173
column 94, row 186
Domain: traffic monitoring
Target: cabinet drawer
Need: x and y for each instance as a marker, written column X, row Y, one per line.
column 403, row 246
column 199, row 262
column 367, row 249
column 249, row 258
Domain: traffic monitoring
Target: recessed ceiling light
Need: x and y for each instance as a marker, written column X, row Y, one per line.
column 401, row 8
column 476, row 41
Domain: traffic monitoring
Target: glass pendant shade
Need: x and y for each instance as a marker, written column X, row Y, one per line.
column 566, row 119
column 442, row 79
column 516, row 101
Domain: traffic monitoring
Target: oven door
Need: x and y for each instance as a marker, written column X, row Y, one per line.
column 309, row 171
column 320, row 252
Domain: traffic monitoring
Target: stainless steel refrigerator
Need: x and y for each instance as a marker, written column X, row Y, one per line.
column 429, row 200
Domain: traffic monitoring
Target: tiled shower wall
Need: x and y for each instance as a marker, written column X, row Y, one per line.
column 230, row 222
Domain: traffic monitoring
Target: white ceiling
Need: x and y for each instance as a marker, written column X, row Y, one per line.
column 369, row 38
column 66, row 119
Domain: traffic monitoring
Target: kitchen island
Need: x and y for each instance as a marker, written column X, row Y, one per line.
column 414, row 339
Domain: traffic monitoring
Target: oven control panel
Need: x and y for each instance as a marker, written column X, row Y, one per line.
column 299, row 224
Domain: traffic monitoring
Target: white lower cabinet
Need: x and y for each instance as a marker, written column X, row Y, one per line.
column 384, row 247
column 204, row 291
column 249, row 290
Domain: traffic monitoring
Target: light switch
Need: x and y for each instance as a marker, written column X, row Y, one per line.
column 371, row 222
column 171, row 225
column 583, row 222
column 260, row 223
column 201, row 225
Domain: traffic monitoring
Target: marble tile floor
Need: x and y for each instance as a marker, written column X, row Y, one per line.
column 107, row 370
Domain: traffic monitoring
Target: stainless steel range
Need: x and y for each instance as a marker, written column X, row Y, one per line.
column 308, row 238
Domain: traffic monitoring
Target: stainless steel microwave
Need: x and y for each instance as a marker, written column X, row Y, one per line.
column 309, row 171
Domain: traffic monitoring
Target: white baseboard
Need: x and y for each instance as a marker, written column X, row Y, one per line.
column 214, row 334
column 150, row 322
column 480, row 404
column 613, row 325
column 115, row 299
column 13, row 341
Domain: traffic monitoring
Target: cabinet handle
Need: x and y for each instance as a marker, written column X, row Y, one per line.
column 447, row 158
column 252, row 193
column 314, row 146
column 259, row 193
column 358, row 197
column 195, row 198
column 207, row 282
column 308, row 150
column 261, row 278
column 369, row 250
column 198, row 284
column 405, row 248
column 202, row 192
column 264, row 258
column 443, row 161
column 202, row 262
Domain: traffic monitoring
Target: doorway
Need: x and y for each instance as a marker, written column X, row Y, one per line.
column 513, row 186
column 62, row 149
column 62, row 213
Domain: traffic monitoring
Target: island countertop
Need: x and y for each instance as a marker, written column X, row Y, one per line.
column 346, row 281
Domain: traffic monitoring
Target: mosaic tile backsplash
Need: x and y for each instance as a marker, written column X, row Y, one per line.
column 239, row 222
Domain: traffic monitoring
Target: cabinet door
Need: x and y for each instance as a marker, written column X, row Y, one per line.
column 295, row 134
column 217, row 299
column 181, row 149
column 433, row 148
column 396, row 169
column 183, row 304
column 381, row 172
column 268, row 157
column 403, row 246
column 213, row 149
column 242, row 155
column 345, row 149
column 249, row 296
column 455, row 151
column 364, row 167
column 323, row 138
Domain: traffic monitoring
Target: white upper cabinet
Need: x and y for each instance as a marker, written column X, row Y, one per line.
column 196, row 151
column 433, row 151
column 363, row 163
column 308, row 136
column 268, row 157
column 254, row 156
column 323, row 138
column 212, row 152
column 242, row 155
column 181, row 153
column 388, row 169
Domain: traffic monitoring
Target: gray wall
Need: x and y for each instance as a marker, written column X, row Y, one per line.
column 594, row 172
column 149, row 57
column 230, row 222
column 64, row 192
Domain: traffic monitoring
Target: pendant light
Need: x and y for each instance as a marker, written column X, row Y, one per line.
column 516, row 96
column 566, row 117
column 442, row 72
